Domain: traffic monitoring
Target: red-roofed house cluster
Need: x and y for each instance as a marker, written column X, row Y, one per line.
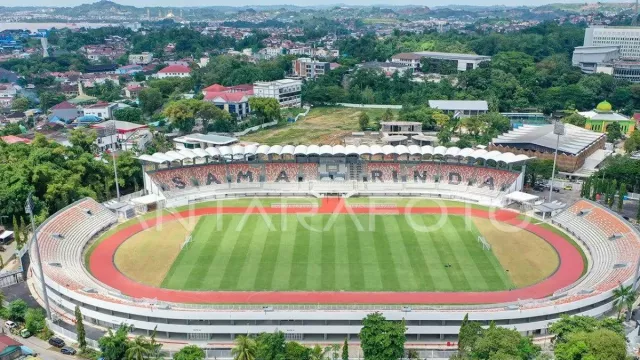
column 174, row 71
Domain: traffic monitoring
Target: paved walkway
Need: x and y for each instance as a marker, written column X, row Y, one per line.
column 569, row 271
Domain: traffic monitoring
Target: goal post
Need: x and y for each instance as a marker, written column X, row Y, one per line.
column 187, row 242
column 485, row 244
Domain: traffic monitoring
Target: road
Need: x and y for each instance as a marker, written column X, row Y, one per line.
column 44, row 350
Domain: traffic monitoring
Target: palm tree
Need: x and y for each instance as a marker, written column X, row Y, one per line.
column 139, row 349
column 318, row 353
column 245, row 348
column 335, row 351
column 624, row 297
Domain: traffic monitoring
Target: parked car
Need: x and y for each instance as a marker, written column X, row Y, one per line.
column 57, row 342
column 10, row 324
column 68, row 350
column 25, row 333
column 568, row 187
column 538, row 187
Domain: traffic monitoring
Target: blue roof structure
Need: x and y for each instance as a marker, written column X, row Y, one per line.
column 88, row 119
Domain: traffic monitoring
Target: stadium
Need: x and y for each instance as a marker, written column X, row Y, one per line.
column 308, row 240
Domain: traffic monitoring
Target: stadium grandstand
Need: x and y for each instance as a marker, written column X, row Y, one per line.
column 192, row 174
column 611, row 245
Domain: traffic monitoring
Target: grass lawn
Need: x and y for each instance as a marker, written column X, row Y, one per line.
column 333, row 253
column 323, row 125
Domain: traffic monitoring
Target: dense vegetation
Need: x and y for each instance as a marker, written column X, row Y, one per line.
column 59, row 175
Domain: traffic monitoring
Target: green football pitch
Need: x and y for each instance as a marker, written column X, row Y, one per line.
column 335, row 253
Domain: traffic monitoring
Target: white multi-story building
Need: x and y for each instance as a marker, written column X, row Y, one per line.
column 286, row 91
column 144, row 58
column 626, row 37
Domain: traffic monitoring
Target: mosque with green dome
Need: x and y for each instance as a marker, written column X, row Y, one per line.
column 603, row 115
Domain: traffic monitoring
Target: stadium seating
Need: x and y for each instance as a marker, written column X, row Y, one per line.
column 310, row 171
column 387, row 171
column 285, row 172
column 596, row 227
column 62, row 241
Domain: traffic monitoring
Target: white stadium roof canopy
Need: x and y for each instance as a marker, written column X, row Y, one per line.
column 236, row 151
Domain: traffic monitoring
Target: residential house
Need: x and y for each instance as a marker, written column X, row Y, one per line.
column 9, row 348
column 286, row 91
column 125, row 135
column 235, row 103
column 12, row 139
column 129, row 69
column 103, row 110
column 65, row 111
column 8, row 76
column 13, row 117
column 174, row 71
column 104, row 68
column 132, row 91
column 8, row 92
column 70, row 91
column 308, row 68
column 144, row 58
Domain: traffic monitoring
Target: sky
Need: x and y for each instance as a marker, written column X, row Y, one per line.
column 179, row 3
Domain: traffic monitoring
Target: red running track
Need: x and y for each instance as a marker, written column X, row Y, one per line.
column 571, row 265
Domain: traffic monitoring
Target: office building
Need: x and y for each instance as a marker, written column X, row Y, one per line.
column 308, row 68
column 286, row 91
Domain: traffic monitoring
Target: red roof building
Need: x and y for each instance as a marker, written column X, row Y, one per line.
column 174, row 71
column 11, row 139
column 65, row 105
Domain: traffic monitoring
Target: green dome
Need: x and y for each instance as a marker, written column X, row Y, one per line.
column 604, row 106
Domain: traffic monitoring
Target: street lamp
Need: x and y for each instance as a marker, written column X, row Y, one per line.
column 28, row 208
column 558, row 129
column 111, row 130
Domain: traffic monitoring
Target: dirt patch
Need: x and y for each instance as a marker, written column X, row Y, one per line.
column 147, row 256
column 528, row 258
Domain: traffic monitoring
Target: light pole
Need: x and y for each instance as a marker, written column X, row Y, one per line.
column 111, row 129
column 558, row 129
column 28, row 208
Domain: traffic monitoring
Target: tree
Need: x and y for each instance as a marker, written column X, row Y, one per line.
column 318, row 353
column 138, row 349
column 621, row 195
column 130, row 114
column 345, row 350
column 16, row 232
column 441, row 119
column 444, row 136
column 17, row 310
column 150, row 100
column 114, row 345
column 267, row 109
column 34, row 320
column 270, row 346
column 470, row 331
column 190, row 352
column 20, row 104
column 633, row 142
column 538, row 169
column 504, row 343
column 575, row 119
column 84, row 139
column 296, row 351
column 382, row 339
column 24, row 231
column 180, row 115
column 245, row 348
column 599, row 344
column 80, row 332
column 568, row 325
column 624, row 298
column 139, row 76
column 208, row 111
column 614, row 132
column 49, row 99
column 363, row 121
column 412, row 354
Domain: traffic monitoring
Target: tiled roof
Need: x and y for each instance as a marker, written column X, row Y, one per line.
column 228, row 97
column 214, row 88
column 65, row 105
column 11, row 139
column 175, row 69
column 6, row 342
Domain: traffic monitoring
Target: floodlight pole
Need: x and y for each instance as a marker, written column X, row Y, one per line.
column 558, row 129
column 29, row 209
column 112, row 130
